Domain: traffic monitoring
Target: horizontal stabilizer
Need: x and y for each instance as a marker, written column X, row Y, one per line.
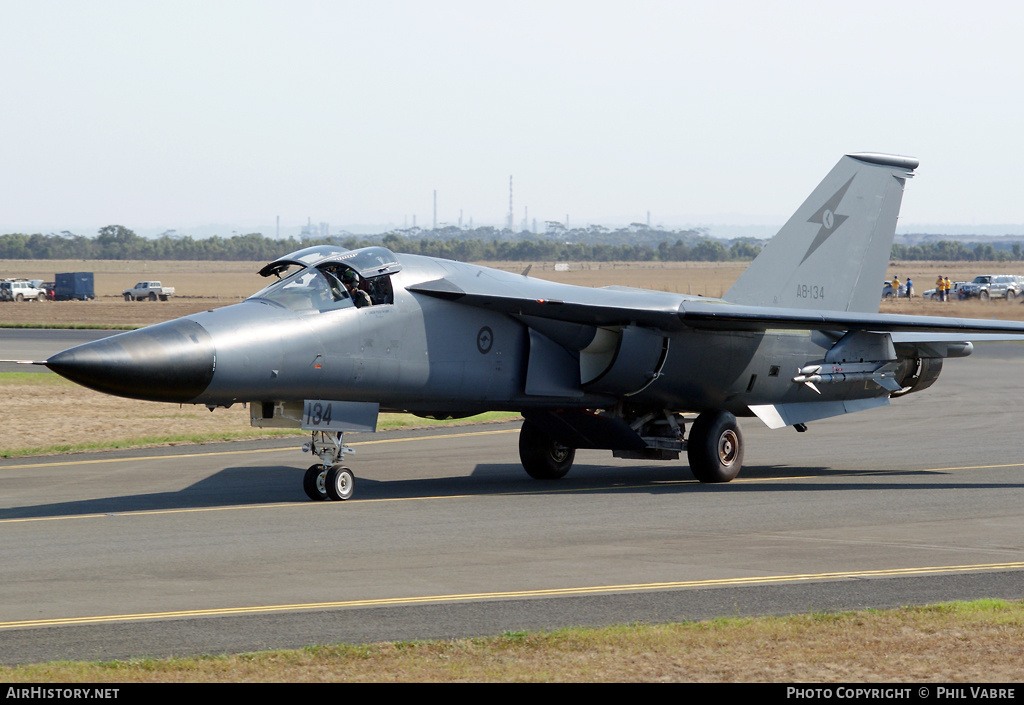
column 719, row 315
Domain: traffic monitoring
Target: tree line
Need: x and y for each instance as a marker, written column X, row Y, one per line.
column 116, row 242
column 955, row 251
column 591, row 244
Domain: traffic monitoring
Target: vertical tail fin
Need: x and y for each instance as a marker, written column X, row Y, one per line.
column 833, row 252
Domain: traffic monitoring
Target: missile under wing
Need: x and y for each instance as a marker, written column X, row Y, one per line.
column 341, row 335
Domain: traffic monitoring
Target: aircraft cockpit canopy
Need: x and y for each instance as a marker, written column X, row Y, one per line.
column 331, row 278
column 367, row 261
column 306, row 257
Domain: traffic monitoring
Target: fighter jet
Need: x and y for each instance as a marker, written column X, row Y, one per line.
column 340, row 335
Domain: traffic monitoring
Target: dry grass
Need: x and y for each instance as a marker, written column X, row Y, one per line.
column 103, row 421
column 204, row 285
column 111, row 277
column 972, row 308
column 111, row 421
column 198, row 286
column 954, row 643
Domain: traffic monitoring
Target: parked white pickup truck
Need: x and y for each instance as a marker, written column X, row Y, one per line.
column 148, row 291
column 22, row 290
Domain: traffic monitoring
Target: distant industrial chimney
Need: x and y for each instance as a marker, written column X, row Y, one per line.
column 511, row 214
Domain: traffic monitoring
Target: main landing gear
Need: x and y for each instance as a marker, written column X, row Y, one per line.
column 543, row 458
column 714, row 445
column 328, row 479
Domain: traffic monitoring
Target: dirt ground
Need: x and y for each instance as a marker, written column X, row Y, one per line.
column 100, row 420
column 204, row 285
column 199, row 286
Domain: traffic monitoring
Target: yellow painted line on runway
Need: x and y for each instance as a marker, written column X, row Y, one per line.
column 514, row 493
column 974, row 467
column 310, row 505
column 445, row 436
column 299, row 505
column 250, row 451
column 515, row 594
column 152, row 512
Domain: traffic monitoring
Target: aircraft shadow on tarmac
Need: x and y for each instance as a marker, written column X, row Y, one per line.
column 238, row 486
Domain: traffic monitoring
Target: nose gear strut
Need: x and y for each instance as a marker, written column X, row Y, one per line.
column 328, row 479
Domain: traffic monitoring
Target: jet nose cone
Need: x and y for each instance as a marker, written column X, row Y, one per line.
column 171, row 361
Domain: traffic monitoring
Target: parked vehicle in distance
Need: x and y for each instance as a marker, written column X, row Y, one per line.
column 22, row 290
column 995, row 286
column 74, row 285
column 889, row 293
column 148, row 291
column 955, row 292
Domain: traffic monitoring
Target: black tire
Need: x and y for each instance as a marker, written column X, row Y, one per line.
column 1010, row 295
column 542, row 458
column 313, row 483
column 19, row 298
column 40, row 296
column 152, row 296
column 983, row 295
column 715, row 447
column 340, row 483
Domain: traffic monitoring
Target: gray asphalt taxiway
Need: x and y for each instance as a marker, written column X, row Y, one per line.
column 214, row 548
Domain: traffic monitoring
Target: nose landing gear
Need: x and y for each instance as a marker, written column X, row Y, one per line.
column 328, row 479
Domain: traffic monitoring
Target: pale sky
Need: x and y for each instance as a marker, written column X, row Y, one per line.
column 181, row 114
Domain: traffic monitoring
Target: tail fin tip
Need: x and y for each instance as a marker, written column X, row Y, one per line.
column 893, row 160
column 833, row 252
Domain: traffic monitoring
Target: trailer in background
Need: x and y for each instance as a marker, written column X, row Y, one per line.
column 74, row 285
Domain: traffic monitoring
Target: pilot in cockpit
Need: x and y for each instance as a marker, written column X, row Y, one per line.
column 359, row 297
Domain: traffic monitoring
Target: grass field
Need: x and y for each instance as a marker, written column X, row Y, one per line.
column 204, row 285
column 955, row 643
column 106, row 422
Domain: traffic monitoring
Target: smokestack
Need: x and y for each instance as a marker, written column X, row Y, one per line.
column 511, row 213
